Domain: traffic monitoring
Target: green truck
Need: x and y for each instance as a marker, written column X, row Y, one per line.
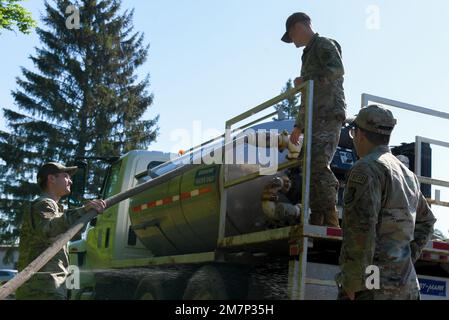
column 163, row 243
column 215, row 231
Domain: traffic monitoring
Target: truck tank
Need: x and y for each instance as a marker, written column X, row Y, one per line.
column 181, row 216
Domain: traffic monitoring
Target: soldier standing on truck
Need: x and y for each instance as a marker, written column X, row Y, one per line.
column 322, row 63
column 42, row 223
column 387, row 221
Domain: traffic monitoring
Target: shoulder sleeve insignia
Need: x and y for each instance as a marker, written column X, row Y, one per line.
column 358, row 177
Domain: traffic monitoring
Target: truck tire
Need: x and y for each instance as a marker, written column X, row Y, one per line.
column 115, row 285
column 206, row 284
column 152, row 288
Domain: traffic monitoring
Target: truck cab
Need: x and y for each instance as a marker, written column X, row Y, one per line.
column 109, row 237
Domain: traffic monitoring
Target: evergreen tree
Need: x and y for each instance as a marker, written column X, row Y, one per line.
column 288, row 106
column 84, row 100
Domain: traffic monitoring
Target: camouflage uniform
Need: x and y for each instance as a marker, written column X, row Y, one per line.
column 386, row 222
column 322, row 62
column 42, row 223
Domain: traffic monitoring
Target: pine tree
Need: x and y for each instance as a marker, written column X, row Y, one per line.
column 84, row 100
column 288, row 106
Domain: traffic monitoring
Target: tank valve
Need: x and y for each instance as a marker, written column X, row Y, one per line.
column 285, row 143
column 279, row 213
column 287, row 214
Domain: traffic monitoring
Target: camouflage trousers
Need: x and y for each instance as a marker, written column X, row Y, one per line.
column 323, row 183
column 43, row 287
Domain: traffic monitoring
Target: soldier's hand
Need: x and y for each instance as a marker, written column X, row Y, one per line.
column 294, row 136
column 298, row 81
column 97, row 204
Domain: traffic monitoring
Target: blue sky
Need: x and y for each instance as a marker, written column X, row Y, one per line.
column 211, row 60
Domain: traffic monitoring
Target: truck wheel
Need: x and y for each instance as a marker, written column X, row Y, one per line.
column 150, row 288
column 206, row 284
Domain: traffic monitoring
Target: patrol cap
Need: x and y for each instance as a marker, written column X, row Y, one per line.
column 52, row 168
column 374, row 118
column 294, row 18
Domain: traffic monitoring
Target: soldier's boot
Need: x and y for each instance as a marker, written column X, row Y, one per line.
column 316, row 218
column 331, row 218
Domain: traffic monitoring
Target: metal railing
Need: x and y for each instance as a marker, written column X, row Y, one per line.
column 366, row 98
column 298, row 235
column 299, row 267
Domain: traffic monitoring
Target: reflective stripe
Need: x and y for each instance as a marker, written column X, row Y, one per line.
column 334, row 232
column 169, row 200
column 440, row 245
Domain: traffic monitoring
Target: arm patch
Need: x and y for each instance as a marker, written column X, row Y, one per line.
column 358, row 177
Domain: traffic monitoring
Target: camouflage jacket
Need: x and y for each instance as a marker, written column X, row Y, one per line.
column 386, row 223
column 322, row 62
column 42, row 223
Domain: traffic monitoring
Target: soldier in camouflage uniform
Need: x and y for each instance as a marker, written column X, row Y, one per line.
column 42, row 223
column 322, row 63
column 387, row 221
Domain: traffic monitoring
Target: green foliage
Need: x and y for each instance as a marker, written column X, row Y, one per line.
column 13, row 15
column 288, row 106
column 83, row 100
